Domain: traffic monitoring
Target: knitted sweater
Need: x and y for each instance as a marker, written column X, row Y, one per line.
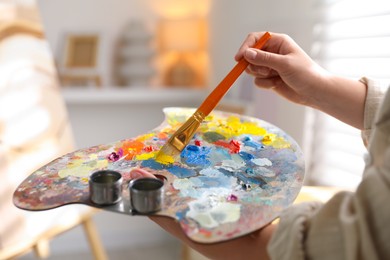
column 352, row 225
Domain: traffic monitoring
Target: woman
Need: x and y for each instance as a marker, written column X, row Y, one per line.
column 352, row 225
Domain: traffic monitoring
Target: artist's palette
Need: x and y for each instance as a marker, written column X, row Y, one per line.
column 236, row 175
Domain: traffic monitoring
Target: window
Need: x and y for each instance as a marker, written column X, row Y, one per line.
column 352, row 39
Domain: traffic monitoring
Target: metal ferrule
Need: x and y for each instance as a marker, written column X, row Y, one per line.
column 184, row 134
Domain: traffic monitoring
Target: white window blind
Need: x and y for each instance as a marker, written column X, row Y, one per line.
column 352, row 39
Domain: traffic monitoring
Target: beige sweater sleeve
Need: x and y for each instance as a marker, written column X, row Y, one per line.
column 352, row 225
column 375, row 92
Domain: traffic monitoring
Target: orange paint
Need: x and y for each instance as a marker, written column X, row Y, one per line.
column 205, row 232
column 132, row 148
column 162, row 136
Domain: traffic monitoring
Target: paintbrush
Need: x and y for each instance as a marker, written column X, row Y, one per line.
column 183, row 135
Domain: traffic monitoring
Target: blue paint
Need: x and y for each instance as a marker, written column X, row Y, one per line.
column 247, row 138
column 152, row 164
column 251, row 180
column 220, row 182
column 181, row 172
column 246, row 156
column 249, row 171
column 181, row 214
column 219, row 154
column 263, row 172
column 226, row 172
column 77, row 185
column 197, row 156
column 210, row 172
column 253, row 144
column 192, row 148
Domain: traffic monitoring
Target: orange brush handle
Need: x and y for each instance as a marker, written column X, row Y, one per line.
column 216, row 95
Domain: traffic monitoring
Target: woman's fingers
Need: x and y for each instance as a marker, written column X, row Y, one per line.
column 264, row 58
column 261, row 71
column 138, row 173
column 248, row 43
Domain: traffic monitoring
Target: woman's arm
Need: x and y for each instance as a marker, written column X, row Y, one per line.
column 252, row 246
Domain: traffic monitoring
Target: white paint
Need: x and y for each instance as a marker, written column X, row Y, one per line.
column 232, row 165
column 210, row 214
column 262, row 162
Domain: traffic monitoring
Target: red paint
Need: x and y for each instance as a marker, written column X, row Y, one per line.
column 48, row 181
column 148, row 148
column 233, row 146
column 222, row 143
column 198, row 143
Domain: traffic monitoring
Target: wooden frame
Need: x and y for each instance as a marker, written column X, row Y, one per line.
column 81, row 51
column 20, row 27
column 40, row 244
column 79, row 61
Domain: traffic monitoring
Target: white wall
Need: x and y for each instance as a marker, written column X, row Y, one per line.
column 230, row 21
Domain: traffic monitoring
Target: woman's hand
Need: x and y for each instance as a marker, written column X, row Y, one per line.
column 138, row 173
column 285, row 68
column 252, row 246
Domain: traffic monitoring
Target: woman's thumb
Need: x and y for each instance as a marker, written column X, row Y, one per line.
column 262, row 58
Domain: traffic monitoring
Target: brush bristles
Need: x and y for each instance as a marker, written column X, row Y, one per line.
column 169, row 149
column 180, row 139
column 167, row 154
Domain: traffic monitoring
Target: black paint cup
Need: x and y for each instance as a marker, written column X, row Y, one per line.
column 105, row 187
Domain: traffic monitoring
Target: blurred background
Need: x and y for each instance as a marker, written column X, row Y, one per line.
column 115, row 64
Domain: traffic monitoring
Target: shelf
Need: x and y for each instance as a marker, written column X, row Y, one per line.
column 133, row 95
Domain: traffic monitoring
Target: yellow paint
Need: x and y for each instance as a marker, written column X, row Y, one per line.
column 164, row 158
column 82, row 168
column 253, row 129
column 234, row 127
column 268, row 139
column 79, row 154
column 145, row 137
column 75, row 163
column 101, row 164
column 80, row 171
column 280, row 143
column 275, row 141
column 145, row 156
column 39, row 172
